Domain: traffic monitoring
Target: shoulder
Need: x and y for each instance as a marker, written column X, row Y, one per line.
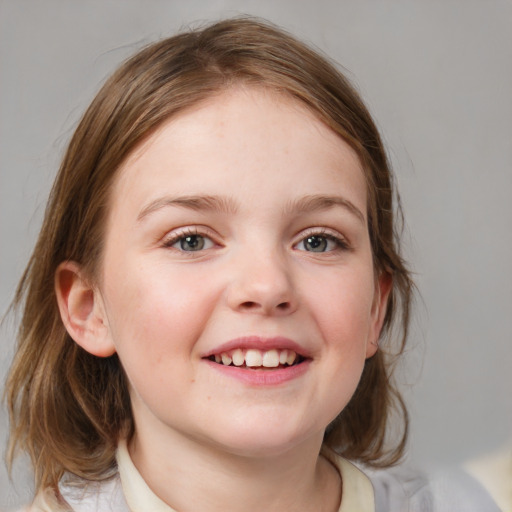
column 104, row 496
column 81, row 496
column 494, row 472
column 388, row 490
column 404, row 490
column 400, row 490
column 47, row 501
column 458, row 491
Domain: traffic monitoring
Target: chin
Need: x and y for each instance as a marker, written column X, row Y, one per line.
column 264, row 439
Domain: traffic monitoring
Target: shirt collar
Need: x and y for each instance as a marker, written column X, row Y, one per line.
column 357, row 493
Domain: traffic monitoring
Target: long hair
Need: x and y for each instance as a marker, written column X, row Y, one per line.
column 68, row 407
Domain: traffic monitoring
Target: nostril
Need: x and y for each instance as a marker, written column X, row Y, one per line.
column 248, row 305
column 282, row 306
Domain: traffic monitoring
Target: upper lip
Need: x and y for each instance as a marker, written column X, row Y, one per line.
column 259, row 343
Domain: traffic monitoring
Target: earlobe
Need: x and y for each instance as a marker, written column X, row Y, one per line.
column 82, row 310
column 383, row 287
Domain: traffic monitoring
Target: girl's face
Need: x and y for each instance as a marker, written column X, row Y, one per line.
column 237, row 281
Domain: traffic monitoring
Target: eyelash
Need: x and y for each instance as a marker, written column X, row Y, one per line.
column 175, row 237
column 341, row 242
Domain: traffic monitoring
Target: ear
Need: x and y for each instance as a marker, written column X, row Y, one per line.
column 383, row 285
column 82, row 310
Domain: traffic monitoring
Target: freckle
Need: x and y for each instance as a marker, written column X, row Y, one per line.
column 192, row 381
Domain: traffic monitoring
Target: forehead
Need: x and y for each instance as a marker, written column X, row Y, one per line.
column 242, row 133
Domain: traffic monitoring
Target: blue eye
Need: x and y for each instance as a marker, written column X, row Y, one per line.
column 189, row 242
column 315, row 243
column 320, row 243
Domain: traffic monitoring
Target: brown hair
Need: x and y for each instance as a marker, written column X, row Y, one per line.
column 68, row 407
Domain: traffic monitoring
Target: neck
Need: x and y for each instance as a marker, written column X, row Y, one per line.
column 190, row 475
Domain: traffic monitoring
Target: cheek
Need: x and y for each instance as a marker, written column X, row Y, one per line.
column 345, row 323
column 345, row 314
column 155, row 315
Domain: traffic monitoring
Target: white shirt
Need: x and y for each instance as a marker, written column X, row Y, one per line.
column 128, row 492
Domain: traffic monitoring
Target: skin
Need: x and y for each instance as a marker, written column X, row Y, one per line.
column 163, row 308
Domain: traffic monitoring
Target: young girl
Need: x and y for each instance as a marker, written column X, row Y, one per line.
column 216, row 280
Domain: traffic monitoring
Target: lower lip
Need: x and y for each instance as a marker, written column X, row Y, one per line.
column 262, row 377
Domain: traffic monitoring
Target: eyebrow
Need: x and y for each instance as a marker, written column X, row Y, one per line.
column 198, row 203
column 318, row 202
column 218, row 204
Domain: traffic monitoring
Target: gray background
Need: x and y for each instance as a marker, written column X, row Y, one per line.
column 437, row 76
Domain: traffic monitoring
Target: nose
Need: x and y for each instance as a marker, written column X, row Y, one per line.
column 262, row 284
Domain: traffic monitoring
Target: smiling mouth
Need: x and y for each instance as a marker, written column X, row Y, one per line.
column 255, row 359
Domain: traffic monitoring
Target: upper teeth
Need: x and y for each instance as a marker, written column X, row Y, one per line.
column 254, row 358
